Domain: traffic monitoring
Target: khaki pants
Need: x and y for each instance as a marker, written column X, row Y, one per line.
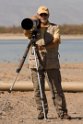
column 54, row 79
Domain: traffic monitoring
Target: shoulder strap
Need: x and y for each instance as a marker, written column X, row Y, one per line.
column 53, row 24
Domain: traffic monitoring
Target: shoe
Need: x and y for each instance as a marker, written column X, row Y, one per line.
column 41, row 116
column 65, row 116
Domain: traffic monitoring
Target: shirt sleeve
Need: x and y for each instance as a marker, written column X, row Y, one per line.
column 57, row 33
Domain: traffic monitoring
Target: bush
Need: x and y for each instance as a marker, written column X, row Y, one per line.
column 65, row 29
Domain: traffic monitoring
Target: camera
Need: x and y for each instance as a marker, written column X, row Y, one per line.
column 29, row 24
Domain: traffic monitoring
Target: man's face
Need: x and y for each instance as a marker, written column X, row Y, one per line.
column 43, row 17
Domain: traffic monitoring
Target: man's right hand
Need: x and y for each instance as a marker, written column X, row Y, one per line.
column 28, row 33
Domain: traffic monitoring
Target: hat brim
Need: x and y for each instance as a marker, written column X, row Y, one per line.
column 43, row 12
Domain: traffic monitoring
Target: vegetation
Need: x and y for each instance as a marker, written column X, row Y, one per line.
column 12, row 29
column 65, row 29
column 71, row 29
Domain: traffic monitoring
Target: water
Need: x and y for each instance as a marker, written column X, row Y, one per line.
column 13, row 50
column 71, row 50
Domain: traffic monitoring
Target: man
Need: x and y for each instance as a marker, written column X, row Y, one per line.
column 47, row 44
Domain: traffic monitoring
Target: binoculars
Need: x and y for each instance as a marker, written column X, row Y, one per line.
column 28, row 24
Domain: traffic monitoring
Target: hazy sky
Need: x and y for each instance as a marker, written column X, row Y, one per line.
column 61, row 11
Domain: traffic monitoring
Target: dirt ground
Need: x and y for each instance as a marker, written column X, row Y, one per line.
column 19, row 107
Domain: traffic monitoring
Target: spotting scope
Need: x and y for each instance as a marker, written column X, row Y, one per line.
column 28, row 24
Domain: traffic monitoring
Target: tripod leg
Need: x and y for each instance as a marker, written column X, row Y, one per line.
column 13, row 83
column 41, row 94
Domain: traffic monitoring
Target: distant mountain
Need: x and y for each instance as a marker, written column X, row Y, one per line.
column 61, row 11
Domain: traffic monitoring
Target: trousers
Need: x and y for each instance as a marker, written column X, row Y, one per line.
column 54, row 81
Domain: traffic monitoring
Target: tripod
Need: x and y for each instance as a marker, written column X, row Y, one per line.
column 37, row 61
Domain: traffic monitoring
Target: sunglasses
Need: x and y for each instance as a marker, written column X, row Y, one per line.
column 43, row 14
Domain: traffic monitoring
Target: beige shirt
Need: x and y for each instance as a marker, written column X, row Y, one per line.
column 49, row 56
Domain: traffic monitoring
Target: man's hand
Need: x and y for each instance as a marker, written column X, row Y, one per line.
column 28, row 33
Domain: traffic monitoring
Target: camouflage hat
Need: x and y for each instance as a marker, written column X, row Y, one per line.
column 43, row 9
